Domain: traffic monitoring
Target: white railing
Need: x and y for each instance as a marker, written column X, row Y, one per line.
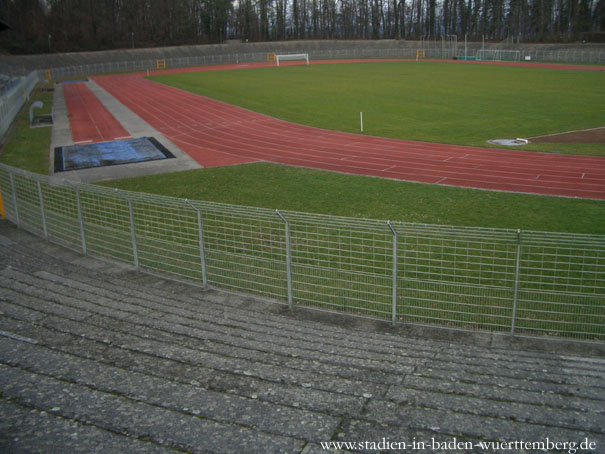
column 520, row 282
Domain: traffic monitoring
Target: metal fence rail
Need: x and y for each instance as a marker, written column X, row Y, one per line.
column 14, row 98
column 525, row 283
column 434, row 50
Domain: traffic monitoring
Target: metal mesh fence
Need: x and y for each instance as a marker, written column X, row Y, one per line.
column 151, row 65
column 432, row 50
column 446, row 47
column 13, row 99
column 462, row 277
column 525, row 283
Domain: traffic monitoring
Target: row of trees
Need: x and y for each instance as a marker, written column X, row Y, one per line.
column 496, row 20
column 65, row 25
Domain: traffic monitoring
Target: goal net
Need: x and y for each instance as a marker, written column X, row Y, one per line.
column 498, row 55
column 285, row 57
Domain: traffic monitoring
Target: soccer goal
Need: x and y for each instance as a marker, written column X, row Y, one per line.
column 498, row 55
column 285, row 57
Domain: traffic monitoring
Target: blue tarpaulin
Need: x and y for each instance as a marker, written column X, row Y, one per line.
column 101, row 154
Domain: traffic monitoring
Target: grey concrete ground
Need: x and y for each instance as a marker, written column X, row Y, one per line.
column 95, row 357
column 61, row 131
column 136, row 127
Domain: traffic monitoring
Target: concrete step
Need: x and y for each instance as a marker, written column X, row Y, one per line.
column 135, row 363
column 27, row 429
column 120, row 414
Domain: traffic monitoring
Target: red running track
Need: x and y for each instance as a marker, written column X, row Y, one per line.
column 217, row 134
column 90, row 121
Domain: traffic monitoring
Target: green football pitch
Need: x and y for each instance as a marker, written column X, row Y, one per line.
column 440, row 102
column 277, row 186
column 465, row 104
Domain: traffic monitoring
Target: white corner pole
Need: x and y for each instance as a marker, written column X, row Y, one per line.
column 361, row 120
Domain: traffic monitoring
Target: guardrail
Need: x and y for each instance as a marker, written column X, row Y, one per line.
column 15, row 98
column 521, row 282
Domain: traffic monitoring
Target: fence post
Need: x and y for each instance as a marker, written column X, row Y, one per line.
column 80, row 217
column 200, row 230
column 42, row 213
column 14, row 194
column 288, row 259
column 133, row 231
column 516, row 294
column 394, row 299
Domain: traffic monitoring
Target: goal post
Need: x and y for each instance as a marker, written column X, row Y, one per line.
column 284, row 57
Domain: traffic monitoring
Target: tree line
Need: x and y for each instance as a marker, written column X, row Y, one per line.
column 70, row 25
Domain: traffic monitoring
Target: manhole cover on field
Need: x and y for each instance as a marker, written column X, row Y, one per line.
column 509, row 142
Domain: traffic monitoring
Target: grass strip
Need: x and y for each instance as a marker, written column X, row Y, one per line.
column 28, row 148
column 299, row 189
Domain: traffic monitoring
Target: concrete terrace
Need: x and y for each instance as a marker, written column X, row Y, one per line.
column 95, row 357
